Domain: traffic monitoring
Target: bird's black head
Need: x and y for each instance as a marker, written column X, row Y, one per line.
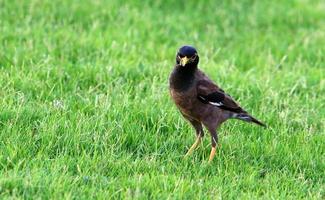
column 187, row 56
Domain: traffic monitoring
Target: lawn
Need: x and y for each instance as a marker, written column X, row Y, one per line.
column 85, row 110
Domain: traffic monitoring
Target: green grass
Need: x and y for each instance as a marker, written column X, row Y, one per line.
column 85, row 110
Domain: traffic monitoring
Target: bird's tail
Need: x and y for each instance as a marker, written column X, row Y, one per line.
column 246, row 117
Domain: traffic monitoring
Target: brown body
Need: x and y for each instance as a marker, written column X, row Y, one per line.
column 200, row 100
column 193, row 109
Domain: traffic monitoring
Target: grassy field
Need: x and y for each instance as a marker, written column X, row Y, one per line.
column 85, row 110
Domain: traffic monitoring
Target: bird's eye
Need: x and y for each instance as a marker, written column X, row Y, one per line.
column 194, row 56
column 180, row 55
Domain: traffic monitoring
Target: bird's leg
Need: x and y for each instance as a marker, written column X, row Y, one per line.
column 199, row 134
column 193, row 147
column 214, row 141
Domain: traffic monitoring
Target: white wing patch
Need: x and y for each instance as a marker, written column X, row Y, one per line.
column 215, row 103
column 212, row 103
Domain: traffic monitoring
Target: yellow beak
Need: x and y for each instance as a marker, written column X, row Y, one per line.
column 184, row 61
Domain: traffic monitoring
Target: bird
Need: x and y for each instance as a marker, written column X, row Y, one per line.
column 200, row 100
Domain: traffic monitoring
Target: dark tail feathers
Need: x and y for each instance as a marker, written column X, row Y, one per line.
column 246, row 117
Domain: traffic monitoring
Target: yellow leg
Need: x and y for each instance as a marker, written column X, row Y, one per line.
column 196, row 143
column 213, row 152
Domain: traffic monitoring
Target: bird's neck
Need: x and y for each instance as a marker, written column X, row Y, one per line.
column 182, row 77
column 189, row 68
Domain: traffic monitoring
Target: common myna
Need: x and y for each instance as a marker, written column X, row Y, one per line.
column 200, row 100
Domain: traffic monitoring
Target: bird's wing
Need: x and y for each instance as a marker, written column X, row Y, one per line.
column 209, row 93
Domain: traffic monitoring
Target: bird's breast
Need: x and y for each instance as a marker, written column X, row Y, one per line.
column 185, row 101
